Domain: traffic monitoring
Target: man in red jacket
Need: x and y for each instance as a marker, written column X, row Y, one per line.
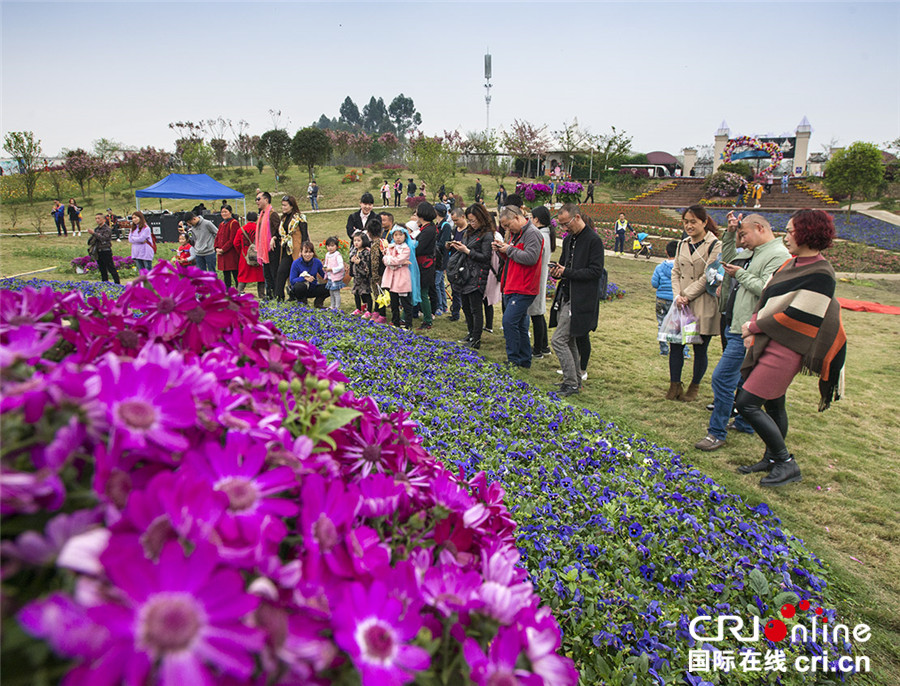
column 521, row 280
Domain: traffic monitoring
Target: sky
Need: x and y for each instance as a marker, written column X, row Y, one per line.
column 667, row 73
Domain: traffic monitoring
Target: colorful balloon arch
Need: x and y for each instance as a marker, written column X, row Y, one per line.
column 735, row 144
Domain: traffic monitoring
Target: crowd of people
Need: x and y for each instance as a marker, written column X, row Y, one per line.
column 772, row 304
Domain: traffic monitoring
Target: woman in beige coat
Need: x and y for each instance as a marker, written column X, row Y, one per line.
column 695, row 254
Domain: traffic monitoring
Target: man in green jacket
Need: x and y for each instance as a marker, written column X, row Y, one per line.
column 769, row 254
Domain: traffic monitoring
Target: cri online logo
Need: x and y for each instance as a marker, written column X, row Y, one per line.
column 775, row 630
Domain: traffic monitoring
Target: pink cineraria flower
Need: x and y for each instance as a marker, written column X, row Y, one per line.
column 238, row 469
column 30, row 492
column 504, row 592
column 35, row 549
column 142, row 411
column 180, row 619
column 380, row 495
column 542, row 642
column 373, row 448
column 328, row 511
column 372, row 628
column 498, row 667
column 165, row 301
column 25, row 344
column 449, row 588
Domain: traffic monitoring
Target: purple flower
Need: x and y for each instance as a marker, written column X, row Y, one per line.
column 327, row 514
column 498, row 667
column 35, row 549
column 375, row 631
column 380, row 495
column 25, row 492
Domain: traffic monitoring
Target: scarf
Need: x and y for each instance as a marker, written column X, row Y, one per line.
column 797, row 308
column 263, row 235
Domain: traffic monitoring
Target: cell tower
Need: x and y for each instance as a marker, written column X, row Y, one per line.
column 487, row 91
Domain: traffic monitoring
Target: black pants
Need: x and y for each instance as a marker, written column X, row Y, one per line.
column 583, row 343
column 472, row 307
column 384, row 200
column 106, row 265
column 589, row 196
column 620, row 244
column 61, row 226
column 540, row 342
column 363, row 299
column 230, row 276
column 396, row 198
column 404, row 301
column 270, row 268
column 771, row 425
column 303, row 290
column 488, row 314
column 282, row 275
column 456, row 302
column 701, row 360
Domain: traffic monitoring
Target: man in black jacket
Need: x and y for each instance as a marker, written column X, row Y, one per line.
column 478, row 190
column 577, row 302
column 356, row 222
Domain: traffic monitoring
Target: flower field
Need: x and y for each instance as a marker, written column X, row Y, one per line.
column 622, row 539
column 88, row 264
column 642, row 215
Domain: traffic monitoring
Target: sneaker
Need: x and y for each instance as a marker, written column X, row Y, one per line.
column 584, row 376
column 782, row 474
column 439, row 313
column 710, row 407
column 454, row 319
column 424, row 327
column 709, row 444
column 537, row 355
column 566, row 391
column 546, row 351
column 356, row 312
column 486, row 330
column 467, row 339
column 559, row 371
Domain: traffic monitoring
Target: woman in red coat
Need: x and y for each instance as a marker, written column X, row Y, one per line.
column 246, row 273
column 227, row 254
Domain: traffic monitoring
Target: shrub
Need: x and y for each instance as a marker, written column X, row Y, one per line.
column 722, row 184
column 742, row 168
column 413, row 202
column 340, row 168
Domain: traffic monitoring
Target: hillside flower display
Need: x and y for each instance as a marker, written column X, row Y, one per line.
column 205, row 501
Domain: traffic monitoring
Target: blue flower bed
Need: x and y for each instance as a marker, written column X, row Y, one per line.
column 621, row 537
column 853, row 227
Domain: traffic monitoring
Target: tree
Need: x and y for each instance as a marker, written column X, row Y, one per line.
column 275, row 147
column 855, row 171
column 524, row 139
column 197, row 157
column 402, row 111
column 245, row 146
column 80, row 167
column 57, row 176
column 155, row 161
column 612, row 148
column 103, row 173
column 311, row 146
column 350, row 113
column 132, row 165
column 375, row 118
column 431, row 159
column 219, row 146
column 23, row 146
column 107, row 149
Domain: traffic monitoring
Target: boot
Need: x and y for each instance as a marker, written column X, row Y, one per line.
column 764, row 465
column 676, row 390
column 783, row 472
column 691, row 394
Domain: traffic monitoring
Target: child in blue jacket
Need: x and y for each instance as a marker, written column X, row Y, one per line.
column 662, row 282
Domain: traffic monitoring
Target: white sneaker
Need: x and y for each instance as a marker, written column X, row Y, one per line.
column 584, row 376
column 559, row 371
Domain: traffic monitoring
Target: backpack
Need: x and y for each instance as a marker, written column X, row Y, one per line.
column 459, row 272
column 252, row 255
column 444, row 235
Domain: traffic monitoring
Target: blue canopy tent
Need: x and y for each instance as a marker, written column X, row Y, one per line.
column 191, row 186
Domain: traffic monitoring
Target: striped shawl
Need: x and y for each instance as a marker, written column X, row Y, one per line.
column 797, row 308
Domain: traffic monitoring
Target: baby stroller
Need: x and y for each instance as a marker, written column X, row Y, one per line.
column 642, row 246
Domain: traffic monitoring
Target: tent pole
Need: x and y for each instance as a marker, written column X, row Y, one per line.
column 245, row 208
column 137, row 202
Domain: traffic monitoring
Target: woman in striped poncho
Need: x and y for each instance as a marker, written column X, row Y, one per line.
column 796, row 328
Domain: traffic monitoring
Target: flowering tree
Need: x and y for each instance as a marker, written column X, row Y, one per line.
column 219, row 147
column 205, row 501
column 102, row 173
column 80, row 167
column 155, row 161
column 56, row 174
column 132, row 164
column 525, row 140
column 26, row 149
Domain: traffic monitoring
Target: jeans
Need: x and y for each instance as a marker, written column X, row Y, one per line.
column 725, row 379
column 206, row 262
column 620, row 244
column 566, row 349
column 143, row 265
column 314, row 201
column 106, row 265
column 515, row 328
column 441, row 291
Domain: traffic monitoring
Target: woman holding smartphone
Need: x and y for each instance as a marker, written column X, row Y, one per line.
column 468, row 269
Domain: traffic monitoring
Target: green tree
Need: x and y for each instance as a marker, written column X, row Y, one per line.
column 432, row 159
column 198, row 157
column 375, row 117
column 275, row 147
column 855, row 171
column 402, row 112
column 57, row 177
column 23, row 146
column 612, row 149
column 311, row 146
column 106, row 149
column 132, row 165
column 350, row 113
column 219, row 146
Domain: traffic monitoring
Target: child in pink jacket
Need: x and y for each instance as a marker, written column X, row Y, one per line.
column 398, row 277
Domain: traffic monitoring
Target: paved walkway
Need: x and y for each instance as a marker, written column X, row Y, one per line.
column 885, row 216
